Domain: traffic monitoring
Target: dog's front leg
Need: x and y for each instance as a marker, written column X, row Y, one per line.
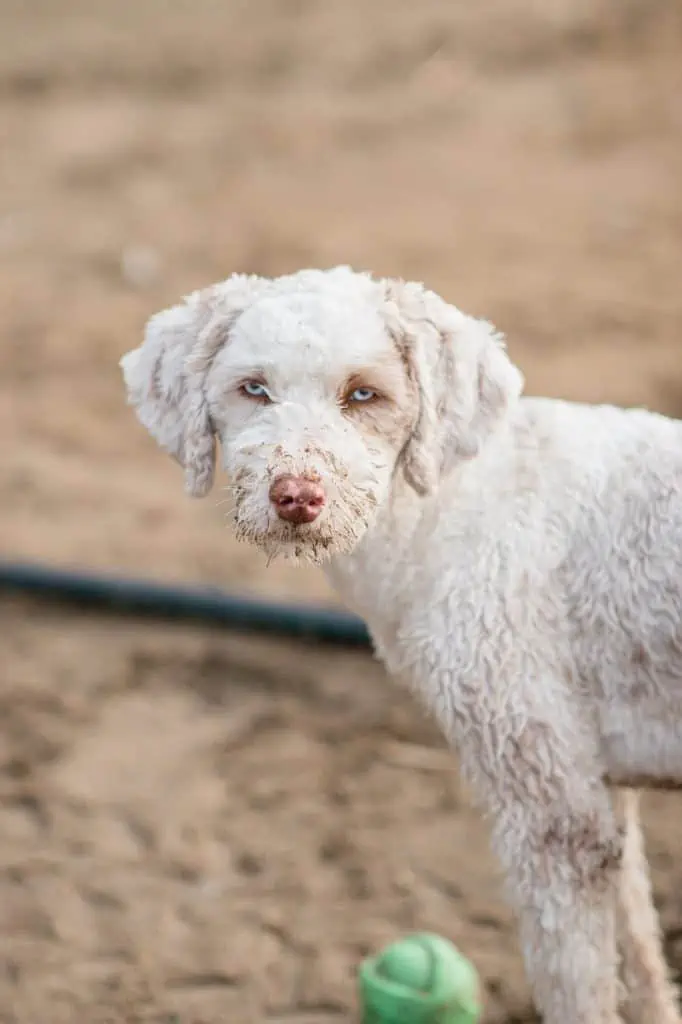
column 555, row 833
column 562, row 876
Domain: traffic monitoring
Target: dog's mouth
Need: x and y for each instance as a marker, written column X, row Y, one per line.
column 334, row 527
column 312, row 542
column 335, row 531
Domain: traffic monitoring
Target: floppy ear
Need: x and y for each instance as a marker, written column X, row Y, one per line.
column 465, row 381
column 165, row 377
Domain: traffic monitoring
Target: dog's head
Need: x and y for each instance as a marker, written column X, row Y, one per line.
column 320, row 387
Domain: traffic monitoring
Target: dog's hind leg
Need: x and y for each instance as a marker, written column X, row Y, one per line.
column 650, row 996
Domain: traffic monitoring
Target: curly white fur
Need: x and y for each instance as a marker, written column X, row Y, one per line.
column 518, row 562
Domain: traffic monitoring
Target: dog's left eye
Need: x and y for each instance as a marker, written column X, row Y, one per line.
column 254, row 389
column 362, row 395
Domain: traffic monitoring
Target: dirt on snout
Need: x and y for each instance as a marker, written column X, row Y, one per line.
column 196, row 827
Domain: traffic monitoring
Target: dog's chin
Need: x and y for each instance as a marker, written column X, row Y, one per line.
column 307, row 544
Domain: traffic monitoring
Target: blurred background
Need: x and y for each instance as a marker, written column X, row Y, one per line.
column 197, row 827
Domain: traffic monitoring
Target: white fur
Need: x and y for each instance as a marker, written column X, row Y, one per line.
column 518, row 562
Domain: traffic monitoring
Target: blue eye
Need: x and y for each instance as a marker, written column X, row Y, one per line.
column 254, row 389
column 363, row 395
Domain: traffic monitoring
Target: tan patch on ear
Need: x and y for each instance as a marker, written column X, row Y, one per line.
column 419, row 437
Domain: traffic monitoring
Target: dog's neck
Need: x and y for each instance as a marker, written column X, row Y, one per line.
column 374, row 579
column 369, row 577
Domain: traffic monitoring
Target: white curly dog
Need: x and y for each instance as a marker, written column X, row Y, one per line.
column 518, row 562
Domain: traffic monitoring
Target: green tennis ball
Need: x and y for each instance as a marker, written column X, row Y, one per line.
column 422, row 979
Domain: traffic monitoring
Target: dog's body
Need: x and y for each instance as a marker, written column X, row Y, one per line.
column 518, row 562
column 565, row 533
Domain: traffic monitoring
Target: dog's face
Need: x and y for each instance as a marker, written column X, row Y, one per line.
column 320, row 387
column 312, row 405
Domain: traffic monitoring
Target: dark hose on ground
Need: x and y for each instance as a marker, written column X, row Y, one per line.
column 202, row 605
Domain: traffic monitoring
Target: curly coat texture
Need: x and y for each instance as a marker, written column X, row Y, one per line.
column 518, row 562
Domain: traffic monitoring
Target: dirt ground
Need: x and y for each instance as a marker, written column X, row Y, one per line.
column 196, row 827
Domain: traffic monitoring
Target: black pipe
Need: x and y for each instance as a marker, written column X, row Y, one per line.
column 203, row 605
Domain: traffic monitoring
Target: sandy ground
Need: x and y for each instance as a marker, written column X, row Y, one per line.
column 195, row 827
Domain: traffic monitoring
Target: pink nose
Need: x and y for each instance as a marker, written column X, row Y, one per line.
column 296, row 499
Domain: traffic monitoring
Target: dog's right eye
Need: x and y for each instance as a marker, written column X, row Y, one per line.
column 255, row 389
